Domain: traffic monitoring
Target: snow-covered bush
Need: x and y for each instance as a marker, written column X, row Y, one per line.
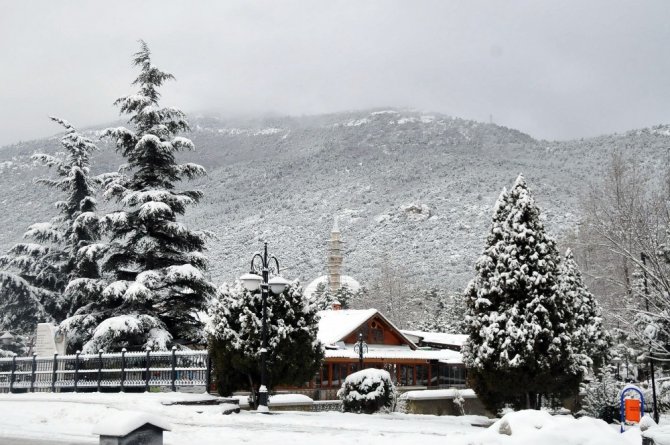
column 367, row 391
column 601, row 397
column 459, row 401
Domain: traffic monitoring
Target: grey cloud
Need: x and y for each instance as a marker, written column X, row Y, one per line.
column 555, row 70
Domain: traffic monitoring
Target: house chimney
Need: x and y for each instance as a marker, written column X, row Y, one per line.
column 337, row 306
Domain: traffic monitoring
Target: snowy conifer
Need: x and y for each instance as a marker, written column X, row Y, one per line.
column 324, row 298
column 589, row 337
column 235, row 338
column 37, row 273
column 519, row 345
column 154, row 262
column 444, row 313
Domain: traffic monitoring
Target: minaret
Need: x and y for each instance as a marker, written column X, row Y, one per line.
column 334, row 259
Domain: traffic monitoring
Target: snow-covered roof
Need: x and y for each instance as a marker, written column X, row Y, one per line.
column 345, row 280
column 438, row 337
column 126, row 422
column 335, row 325
column 397, row 352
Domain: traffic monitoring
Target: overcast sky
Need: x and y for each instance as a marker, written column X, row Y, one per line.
column 553, row 69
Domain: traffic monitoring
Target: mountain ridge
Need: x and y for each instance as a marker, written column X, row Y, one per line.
column 411, row 188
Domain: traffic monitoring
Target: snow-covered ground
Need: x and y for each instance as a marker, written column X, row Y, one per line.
column 70, row 418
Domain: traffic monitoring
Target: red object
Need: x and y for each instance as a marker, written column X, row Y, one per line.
column 633, row 413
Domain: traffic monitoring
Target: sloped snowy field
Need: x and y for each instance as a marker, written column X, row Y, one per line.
column 70, row 418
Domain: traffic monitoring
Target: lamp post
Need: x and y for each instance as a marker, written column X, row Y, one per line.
column 643, row 257
column 259, row 277
column 360, row 348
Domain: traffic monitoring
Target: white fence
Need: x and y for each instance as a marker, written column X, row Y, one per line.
column 116, row 371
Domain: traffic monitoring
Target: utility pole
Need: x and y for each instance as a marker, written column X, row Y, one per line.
column 643, row 257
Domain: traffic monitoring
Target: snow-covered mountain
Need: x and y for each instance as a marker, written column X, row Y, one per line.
column 412, row 188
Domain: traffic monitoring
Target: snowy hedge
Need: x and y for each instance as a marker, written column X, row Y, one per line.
column 367, row 391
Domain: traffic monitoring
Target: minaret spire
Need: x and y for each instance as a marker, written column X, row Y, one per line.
column 335, row 258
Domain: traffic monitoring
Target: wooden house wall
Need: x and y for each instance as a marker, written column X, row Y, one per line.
column 376, row 331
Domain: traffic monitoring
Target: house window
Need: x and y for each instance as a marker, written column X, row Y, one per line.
column 322, row 377
column 376, row 333
column 377, row 336
column 422, row 375
column 406, row 375
column 336, row 375
column 434, row 374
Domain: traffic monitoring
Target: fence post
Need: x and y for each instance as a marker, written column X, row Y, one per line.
column 174, row 366
column 123, row 368
column 76, row 370
column 148, row 375
column 54, row 371
column 208, row 377
column 33, row 369
column 12, row 377
column 99, row 368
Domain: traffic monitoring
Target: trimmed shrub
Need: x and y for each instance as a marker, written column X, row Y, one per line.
column 367, row 391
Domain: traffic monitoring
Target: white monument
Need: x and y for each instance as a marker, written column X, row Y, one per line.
column 47, row 342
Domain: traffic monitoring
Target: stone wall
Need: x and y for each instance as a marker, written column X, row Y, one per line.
column 445, row 407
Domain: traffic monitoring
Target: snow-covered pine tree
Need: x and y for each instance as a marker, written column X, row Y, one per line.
column 519, row 346
column 601, row 396
column 443, row 313
column 234, row 329
column 589, row 337
column 36, row 274
column 154, row 262
column 79, row 223
column 324, row 298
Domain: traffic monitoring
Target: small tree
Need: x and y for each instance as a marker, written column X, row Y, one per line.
column 294, row 353
column 589, row 338
column 37, row 273
column 601, row 396
column 443, row 313
column 324, row 298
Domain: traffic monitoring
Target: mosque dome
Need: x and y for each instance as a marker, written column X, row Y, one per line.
column 345, row 280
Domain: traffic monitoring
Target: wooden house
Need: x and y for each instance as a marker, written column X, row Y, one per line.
column 410, row 366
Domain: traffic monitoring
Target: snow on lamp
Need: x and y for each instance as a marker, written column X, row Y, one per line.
column 7, row 338
column 251, row 281
column 278, row 285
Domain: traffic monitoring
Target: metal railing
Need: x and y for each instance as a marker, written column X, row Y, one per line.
column 116, row 371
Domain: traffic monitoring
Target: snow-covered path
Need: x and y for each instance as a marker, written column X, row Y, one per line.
column 69, row 418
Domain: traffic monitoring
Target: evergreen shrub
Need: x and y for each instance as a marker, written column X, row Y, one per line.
column 367, row 391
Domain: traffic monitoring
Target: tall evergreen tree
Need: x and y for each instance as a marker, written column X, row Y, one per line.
column 519, row 343
column 36, row 273
column 589, row 338
column 235, row 328
column 154, row 263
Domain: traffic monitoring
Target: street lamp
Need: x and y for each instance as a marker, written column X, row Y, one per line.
column 7, row 338
column 259, row 277
column 360, row 348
